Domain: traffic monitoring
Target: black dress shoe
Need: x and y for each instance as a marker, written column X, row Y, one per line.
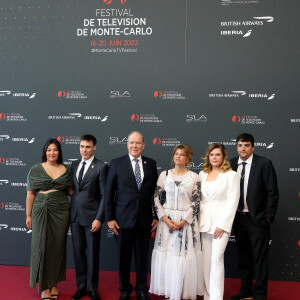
column 94, row 296
column 142, row 296
column 124, row 296
column 241, row 296
column 79, row 294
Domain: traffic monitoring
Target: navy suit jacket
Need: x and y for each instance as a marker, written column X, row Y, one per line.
column 124, row 202
column 87, row 201
column 262, row 192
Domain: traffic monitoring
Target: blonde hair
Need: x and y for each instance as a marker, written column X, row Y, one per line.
column 225, row 167
column 188, row 151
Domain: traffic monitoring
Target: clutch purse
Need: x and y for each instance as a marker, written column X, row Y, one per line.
column 162, row 197
column 163, row 194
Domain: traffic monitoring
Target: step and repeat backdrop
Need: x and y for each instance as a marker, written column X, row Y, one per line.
column 179, row 71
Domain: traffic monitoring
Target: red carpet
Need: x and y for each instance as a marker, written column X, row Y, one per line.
column 15, row 285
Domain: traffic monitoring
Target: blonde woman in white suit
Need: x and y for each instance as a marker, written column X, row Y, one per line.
column 220, row 190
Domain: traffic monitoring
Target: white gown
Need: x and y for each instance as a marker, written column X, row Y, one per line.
column 176, row 268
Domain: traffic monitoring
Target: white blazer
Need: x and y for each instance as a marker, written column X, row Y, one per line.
column 219, row 209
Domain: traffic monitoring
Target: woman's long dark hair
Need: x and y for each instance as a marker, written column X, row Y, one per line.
column 57, row 144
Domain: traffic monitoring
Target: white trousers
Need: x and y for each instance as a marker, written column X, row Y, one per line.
column 213, row 259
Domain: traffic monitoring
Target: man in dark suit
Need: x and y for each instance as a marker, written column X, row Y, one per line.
column 87, row 215
column 129, row 193
column 256, row 211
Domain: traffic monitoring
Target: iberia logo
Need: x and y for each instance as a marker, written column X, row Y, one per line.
column 156, row 141
column 2, row 116
column 158, row 94
column 109, row 1
column 2, row 160
column 61, row 94
column 61, row 139
column 236, row 118
column 135, row 117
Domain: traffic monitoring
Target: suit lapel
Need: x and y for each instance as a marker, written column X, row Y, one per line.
column 129, row 167
column 145, row 169
column 89, row 171
column 75, row 167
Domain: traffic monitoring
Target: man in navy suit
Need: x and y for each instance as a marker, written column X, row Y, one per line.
column 131, row 182
column 256, row 211
column 87, row 216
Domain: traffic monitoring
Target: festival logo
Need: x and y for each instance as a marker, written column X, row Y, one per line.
column 12, row 117
column 11, row 206
column 9, row 161
column 166, row 141
column 294, row 170
column 158, row 94
column 249, row 120
column 156, row 141
column 71, row 95
column 145, row 118
column 69, row 140
column 169, row 95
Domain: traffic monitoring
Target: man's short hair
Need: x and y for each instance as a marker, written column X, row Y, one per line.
column 245, row 137
column 135, row 131
column 89, row 137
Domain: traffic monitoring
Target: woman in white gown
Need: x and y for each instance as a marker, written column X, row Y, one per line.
column 176, row 268
column 220, row 192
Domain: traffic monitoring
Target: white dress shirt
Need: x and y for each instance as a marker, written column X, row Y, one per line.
column 88, row 162
column 133, row 163
column 246, row 178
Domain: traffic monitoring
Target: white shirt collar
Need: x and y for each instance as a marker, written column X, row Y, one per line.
column 248, row 161
column 132, row 158
column 88, row 161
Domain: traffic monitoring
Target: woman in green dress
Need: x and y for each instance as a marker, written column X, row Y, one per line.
column 47, row 214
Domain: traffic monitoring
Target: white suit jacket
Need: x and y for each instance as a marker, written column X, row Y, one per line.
column 219, row 209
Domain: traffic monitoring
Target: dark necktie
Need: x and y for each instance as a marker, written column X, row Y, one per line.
column 241, row 202
column 80, row 175
column 137, row 173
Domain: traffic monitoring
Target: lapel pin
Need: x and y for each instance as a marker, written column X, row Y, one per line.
column 145, row 162
column 92, row 167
